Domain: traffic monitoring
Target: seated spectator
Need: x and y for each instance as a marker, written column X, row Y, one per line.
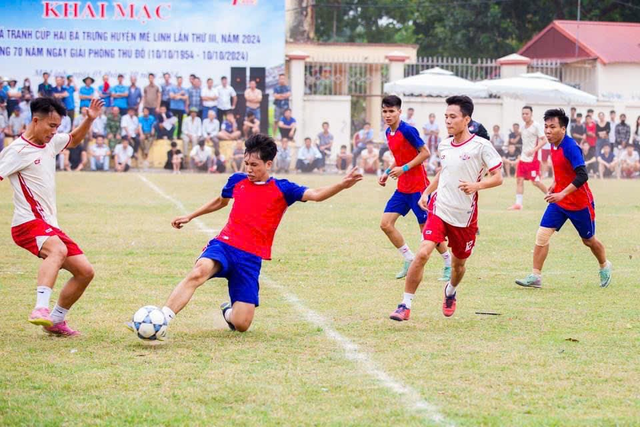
column 510, row 160
column 629, row 162
column 113, row 128
column 387, row 159
column 409, row 118
column 497, row 140
column 287, row 125
column 122, row 154
column 130, row 129
column 75, row 158
column 431, row 132
column 211, row 129
column 360, row 140
column 65, row 125
column 165, row 123
column 325, row 144
column 369, row 161
column 283, row 158
column 592, row 164
column 191, row 130
column 174, row 158
column 99, row 125
column 515, row 138
column 100, row 155
column 251, row 125
column 25, row 108
column 237, row 161
column 200, row 157
column 147, row 133
column 433, row 163
column 343, row 159
column 218, row 163
column 229, row 130
column 606, row 161
column 16, row 124
column 308, row 157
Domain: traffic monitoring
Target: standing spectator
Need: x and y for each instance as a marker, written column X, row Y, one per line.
column 25, row 108
column 606, row 162
column 343, row 160
column 612, row 126
column 629, row 162
column 283, row 158
column 572, row 119
column 251, row 125
column 431, row 132
column 59, row 91
column 69, row 101
column 360, row 140
column 86, row 92
column 16, row 124
column 308, row 157
column 636, row 136
column 369, row 160
column 165, row 88
column 4, row 123
column 211, row 129
column 166, row 123
column 122, row 154
column 409, row 118
column 3, row 91
column 14, row 96
column 578, row 130
column 134, row 96
column 603, row 128
column 120, row 93
column 510, row 160
column 78, row 121
column 195, row 96
column 590, row 112
column 237, row 161
column 433, row 163
column 515, row 138
column 100, row 155
column 104, row 91
column 591, row 137
column 253, row 98
column 65, row 125
column 325, row 144
column 191, row 130
column 200, row 156
column 287, row 125
column 590, row 161
column 623, row 131
column 229, row 129
column 227, row 99
column 281, row 95
column 75, row 158
column 130, row 130
column 151, row 96
column 99, row 125
column 147, row 134
column 44, row 88
column 209, row 99
column 113, row 128
column 26, row 88
column 174, row 158
column 497, row 139
column 178, row 103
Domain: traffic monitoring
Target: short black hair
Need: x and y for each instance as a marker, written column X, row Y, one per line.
column 250, row 114
column 99, row 136
column 209, row 79
column 263, row 145
column 464, row 102
column 223, row 78
column 343, row 146
column 325, row 123
column 174, row 144
column 120, row 75
column 612, row 112
column 286, row 109
column 528, row 107
column 590, row 110
column 559, row 113
column 166, row 74
column 391, row 101
column 151, row 75
column 411, row 109
column 45, row 74
column 579, row 115
column 47, row 105
column 307, row 139
column 192, row 75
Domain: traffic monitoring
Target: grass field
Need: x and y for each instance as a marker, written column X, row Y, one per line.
column 568, row 354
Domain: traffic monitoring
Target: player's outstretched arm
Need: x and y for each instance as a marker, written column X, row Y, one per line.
column 494, row 180
column 320, row 194
column 212, row 206
column 78, row 134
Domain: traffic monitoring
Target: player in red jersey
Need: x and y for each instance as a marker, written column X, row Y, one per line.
column 409, row 153
column 569, row 198
column 237, row 252
column 30, row 164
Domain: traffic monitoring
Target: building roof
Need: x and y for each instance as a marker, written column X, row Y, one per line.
column 609, row 42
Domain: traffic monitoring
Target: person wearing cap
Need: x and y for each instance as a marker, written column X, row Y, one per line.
column 45, row 88
column 104, row 91
column 86, row 92
column 191, row 130
column 120, row 93
column 14, row 95
column 69, row 101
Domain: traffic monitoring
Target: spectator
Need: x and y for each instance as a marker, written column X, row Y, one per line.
column 16, row 124
column 86, row 92
column 69, row 101
column 287, row 125
column 409, row 117
column 590, row 160
column 591, row 137
column 578, row 130
column 178, row 103
column 134, row 96
column 200, row 157
column 59, row 91
column 510, row 160
column 227, row 99
column 99, row 125
column 120, row 95
column 433, row 163
column 325, row 144
column 14, row 96
column 211, row 129
column 636, row 135
column 360, row 140
column 218, row 163
column 26, row 88
column 603, row 128
column 283, row 158
column 515, row 138
column 130, row 130
column 194, row 94
column 281, row 95
column 209, row 96
column 251, row 125
column 191, row 130
column 65, row 125
column 623, row 131
column 104, row 91
column 612, row 125
column 113, row 128
column 431, row 133
column 229, row 130
column 75, row 158
column 590, row 112
column 25, row 108
column 498, row 140
column 4, row 123
column 122, row 155
column 629, row 162
column 237, row 161
column 606, row 162
column 174, row 157
column 81, row 118
column 151, row 96
column 308, row 157
column 100, row 155
column 147, row 134
column 343, row 159
column 44, row 88
column 369, row 161
column 165, row 88
column 166, row 123
column 572, row 118
column 3, row 91
column 253, row 97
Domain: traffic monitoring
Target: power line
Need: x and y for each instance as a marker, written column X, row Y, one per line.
column 393, row 6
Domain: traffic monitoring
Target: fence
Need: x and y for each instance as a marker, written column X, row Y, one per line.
column 345, row 78
column 467, row 68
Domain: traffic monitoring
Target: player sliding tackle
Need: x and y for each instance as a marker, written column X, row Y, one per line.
column 237, row 252
column 569, row 198
column 30, row 164
column 465, row 159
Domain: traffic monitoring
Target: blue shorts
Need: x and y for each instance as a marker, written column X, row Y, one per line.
column 402, row 203
column 583, row 220
column 240, row 268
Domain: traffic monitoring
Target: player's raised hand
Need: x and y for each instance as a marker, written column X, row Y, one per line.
column 180, row 221
column 95, row 108
column 352, row 178
column 468, row 187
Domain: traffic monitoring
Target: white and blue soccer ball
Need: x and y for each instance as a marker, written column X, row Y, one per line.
column 150, row 324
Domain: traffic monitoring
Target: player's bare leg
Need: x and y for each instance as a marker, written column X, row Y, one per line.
column 540, row 253
column 54, row 253
column 240, row 315
column 446, row 257
column 540, row 186
column 598, row 250
column 519, row 195
column 388, row 226
column 204, row 269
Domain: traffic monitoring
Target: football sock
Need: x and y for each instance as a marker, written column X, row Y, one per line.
column 450, row 290
column 168, row 314
column 407, row 298
column 58, row 314
column 536, row 272
column 43, row 296
column 519, row 198
column 446, row 257
column 406, row 252
column 227, row 315
column 604, row 265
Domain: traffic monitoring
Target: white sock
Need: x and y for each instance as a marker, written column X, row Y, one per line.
column 446, row 257
column 227, row 315
column 406, row 252
column 43, row 296
column 168, row 314
column 407, row 298
column 519, row 198
column 58, row 314
column 449, row 290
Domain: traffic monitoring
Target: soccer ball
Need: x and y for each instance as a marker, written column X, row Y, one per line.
column 149, row 323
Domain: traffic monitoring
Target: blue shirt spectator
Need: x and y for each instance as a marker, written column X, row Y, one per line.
column 86, row 91
column 146, row 123
column 177, row 104
column 69, row 101
column 135, row 95
column 195, row 97
column 121, row 103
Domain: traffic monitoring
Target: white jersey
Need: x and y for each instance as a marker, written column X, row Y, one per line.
column 468, row 162
column 32, row 172
column 530, row 137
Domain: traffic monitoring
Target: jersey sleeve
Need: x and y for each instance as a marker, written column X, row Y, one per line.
column 227, row 191
column 573, row 153
column 11, row 162
column 412, row 135
column 292, row 192
column 540, row 130
column 490, row 157
column 60, row 142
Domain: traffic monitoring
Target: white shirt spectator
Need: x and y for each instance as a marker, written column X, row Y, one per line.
column 304, row 153
column 123, row 155
column 78, row 120
column 100, row 152
column 612, row 133
column 16, row 124
column 224, row 97
column 129, row 125
column 192, row 126
column 99, row 125
column 65, row 125
column 206, row 92
column 210, row 128
column 410, row 121
column 201, row 155
column 4, row 121
column 623, row 156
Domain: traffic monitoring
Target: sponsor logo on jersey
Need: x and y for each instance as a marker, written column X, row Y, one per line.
column 37, row 162
column 469, row 246
column 465, row 156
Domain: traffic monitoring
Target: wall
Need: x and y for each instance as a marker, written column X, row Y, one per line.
column 352, row 52
column 619, row 81
column 333, row 109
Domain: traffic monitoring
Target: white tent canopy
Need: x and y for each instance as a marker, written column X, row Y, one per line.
column 538, row 87
column 436, row 82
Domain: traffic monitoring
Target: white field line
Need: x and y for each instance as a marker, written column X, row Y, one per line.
column 352, row 352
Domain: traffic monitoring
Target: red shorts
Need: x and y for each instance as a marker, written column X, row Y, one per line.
column 530, row 171
column 461, row 240
column 545, row 155
column 32, row 235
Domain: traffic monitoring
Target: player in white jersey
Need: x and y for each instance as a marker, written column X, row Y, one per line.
column 533, row 140
column 29, row 163
column 465, row 159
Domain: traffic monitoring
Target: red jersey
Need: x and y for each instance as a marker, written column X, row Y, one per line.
column 591, row 128
column 405, row 144
column 566, row 157
column 256, row 213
